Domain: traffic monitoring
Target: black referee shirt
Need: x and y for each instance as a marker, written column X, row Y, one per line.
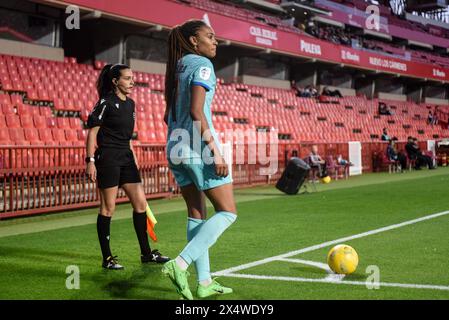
column 115, row 118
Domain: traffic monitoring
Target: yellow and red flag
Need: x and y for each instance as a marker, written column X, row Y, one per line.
column 151, row 222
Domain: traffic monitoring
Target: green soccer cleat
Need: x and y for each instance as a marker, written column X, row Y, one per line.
column 178, row 277
column 213, row 289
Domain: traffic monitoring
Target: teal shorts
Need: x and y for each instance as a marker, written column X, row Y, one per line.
column 198, row 173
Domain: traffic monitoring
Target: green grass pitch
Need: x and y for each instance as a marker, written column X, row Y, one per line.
column 412, row 260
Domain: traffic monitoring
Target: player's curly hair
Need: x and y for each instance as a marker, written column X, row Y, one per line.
column 179, row 44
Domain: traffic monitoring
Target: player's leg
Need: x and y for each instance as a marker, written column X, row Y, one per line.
column 177, row 275
column 136, row 196
column 196, row 207
column 197, row 213
column 107, row 207
column 220, row 192
column 222, row 198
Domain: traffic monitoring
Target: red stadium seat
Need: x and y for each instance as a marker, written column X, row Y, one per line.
column 18, row 137
column 84, row 115
column 16, row 99
column 40, row 122
column 63, row 123
column 75, row 123
column 12, row 121
column 71, row 135
column 51, row 122
column 5, row 99
column 4, row 136
column 59, row 136
column 99, row 64
column 45, row 111
column 26, row 121
column 46, row 136
column 34, row 110
column 32, row 95
column 8, row 109
column 7, row 85
column 82, row 135
column 32, row 136
column 59, row 104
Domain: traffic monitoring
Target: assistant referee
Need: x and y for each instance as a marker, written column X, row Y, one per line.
column 113, row 163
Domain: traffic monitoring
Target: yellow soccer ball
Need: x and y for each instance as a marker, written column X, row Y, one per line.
column 342, row 259
column 326, row 179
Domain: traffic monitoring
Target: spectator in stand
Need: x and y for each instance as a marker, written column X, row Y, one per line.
column 435, row 117
column 306, row 93
column 384, row 109
column 415, row 153
column 394, row 155
column 317, row 162
column 312, row 29
column 309, row 92
column 430, row 117
column 385, row 136
column 331, row 93
column 295, row 86
column 343, row 162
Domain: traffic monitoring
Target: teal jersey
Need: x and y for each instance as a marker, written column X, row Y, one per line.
column 192, row 70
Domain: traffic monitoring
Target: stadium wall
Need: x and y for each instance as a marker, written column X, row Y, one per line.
column 147, row 66
column 264, row 82
column 30, row 50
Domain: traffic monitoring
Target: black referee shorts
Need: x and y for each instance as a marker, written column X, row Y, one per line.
column 108, row 177
column 115, row 168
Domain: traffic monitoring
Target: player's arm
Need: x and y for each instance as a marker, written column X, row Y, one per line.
column 199, row 118
column 91, row 170
column 134, row 153
column 94, row 122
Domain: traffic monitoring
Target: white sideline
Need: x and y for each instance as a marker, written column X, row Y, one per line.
column 338, row 281
column 229, row 271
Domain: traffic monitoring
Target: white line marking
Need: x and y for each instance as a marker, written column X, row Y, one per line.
column 326, row 244
column 308, row 262
column 358, row 283
column 330, row 274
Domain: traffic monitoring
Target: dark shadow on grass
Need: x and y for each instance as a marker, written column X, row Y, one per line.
column 43, row 255
column 148, row 278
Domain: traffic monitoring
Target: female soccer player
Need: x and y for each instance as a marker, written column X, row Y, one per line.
column 113, row 164
column 189, row 90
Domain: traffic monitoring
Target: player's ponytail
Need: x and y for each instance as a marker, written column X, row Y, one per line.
column 178, row 45
column 104, row 81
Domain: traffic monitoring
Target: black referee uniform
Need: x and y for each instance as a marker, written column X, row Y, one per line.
column 114, row 158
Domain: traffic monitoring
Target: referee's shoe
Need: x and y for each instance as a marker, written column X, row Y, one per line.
column 112, row 263
column 154, row 256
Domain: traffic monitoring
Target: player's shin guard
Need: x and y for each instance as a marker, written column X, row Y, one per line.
column 207, row 236
column 202, row 264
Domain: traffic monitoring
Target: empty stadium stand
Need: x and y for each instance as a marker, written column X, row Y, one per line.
column 47, row 103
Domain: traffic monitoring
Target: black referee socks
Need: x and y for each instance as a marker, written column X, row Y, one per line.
column 103, row 230
column 140, row 226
